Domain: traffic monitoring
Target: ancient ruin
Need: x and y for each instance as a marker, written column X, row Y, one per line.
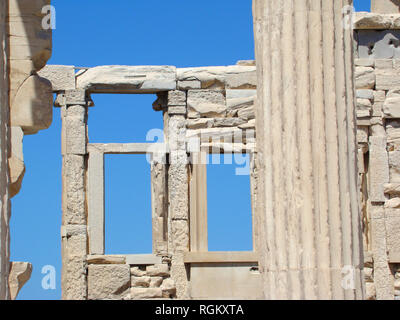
column 318, row 114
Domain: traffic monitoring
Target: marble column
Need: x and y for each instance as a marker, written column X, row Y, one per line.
column 310, row 234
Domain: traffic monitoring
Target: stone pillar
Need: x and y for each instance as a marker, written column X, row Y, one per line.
column 385, row 6
column 178, row 186
column 308, row 205
column 74, row 221
column 4, row 175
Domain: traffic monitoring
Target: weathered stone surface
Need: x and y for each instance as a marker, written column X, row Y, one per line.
column 143, row 282
column 32, row 109
column 393, row 203
column 146, row 293
column 387, row 80
column 393, row 233
column 237, row 77
column 128, row 79
column 393, row 134
column 247, row 113
column 189, row 85
column 16, row 161
column 379, row 96
column 365, row 94
column 392, row 188
column 229, row 122
column 158, row 270
column 207, row 103
column 199, row 123
column 241, row 80
column 75, row 130
column 237, row 99
column 364, row 62
column 382, row 277
column 362, row 134
column 379, row 169
column 20, row 273
column 168, row 288
column 251, row 124
column 391, row 108
column 293, row 106
column 156, row 282
column 108, row 282
column 376, row 21
column 370, row 291
column 101, row 259
column 74, row 272
column 28, row 40
column 74, row 190
column 136, row 272
column 365, row 78
column 385, row 6
column 209, row 77
column 394, row 166
column 61, row 77
column 180, row 235
column 176, row 98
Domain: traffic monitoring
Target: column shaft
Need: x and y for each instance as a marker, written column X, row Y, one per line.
column 310, row 239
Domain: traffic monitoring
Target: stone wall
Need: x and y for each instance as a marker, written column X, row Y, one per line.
column 26, row 108
column 113, row 278
column 378, row 110
column 205, row 109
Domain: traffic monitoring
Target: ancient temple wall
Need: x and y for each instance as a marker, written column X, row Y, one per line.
column 377, row 81
column 26, row 108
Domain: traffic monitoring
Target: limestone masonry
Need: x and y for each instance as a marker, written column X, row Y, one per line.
column 318, row 114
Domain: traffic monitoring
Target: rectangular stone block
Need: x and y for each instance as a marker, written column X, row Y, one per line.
column 379, row 168
column 364, row 62
column 74, row 190
column 61, row 77
column 362, row 134
column 108, row 282
column 189, row 85
column 158, row 270
column 365, row 78
column 75, row 97
column 394, row 166
column 387, row 80
column 206, row 103
column 393, row 234
column 391, row 108
column 177, row 98
column 177, row 110
column 365, row 94
column 128, row 79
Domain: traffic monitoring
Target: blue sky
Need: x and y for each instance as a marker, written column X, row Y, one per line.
column 130, row 32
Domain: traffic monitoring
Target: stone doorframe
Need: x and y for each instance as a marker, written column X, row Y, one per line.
column 175, row 251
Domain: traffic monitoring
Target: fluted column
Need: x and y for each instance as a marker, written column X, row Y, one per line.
column 310, row 243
